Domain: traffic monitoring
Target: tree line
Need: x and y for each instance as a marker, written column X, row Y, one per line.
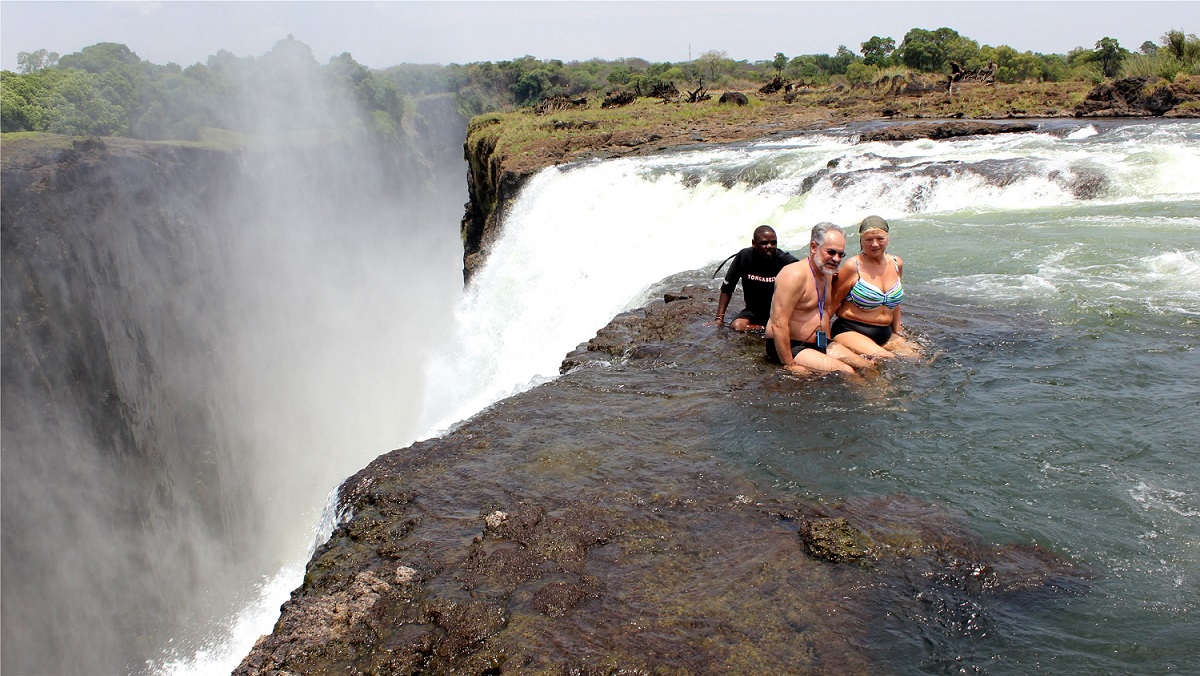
column 107, row 90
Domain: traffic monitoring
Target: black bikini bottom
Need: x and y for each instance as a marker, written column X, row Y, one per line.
column 797, row 346
column 879, row 334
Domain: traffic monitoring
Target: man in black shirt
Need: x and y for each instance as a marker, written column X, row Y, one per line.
column 756, row 267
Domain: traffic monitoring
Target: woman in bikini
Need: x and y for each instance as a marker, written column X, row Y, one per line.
column 868, row 319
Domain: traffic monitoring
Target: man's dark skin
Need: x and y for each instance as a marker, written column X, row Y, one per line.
column 765, row 244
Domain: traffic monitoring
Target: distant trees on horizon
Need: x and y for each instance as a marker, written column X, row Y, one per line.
column 106, row 89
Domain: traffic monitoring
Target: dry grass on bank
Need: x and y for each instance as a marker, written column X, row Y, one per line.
column 526, row 141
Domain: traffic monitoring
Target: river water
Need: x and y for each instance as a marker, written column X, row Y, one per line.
column 1053, row 279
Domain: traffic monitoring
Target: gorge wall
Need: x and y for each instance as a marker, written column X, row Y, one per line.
column 104, row 272
column 199, row 342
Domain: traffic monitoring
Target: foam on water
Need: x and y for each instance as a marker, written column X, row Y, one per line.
column 221, row 654
column 1083, row 132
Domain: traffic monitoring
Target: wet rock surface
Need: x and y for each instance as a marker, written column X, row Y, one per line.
column 944, row 130
column 591, row 525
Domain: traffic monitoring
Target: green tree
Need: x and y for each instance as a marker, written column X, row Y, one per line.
column 1175, row 43
column 713, row 62
column 932, row 51
column 1109, row 54
column 1054, row 67
column 841, row 60
column 878, row 51
column 31, row 62
column 807, row 68
column 862, row 72
column 779, row 63
column 532, row 86
column 620, row 76
column 583, row 81
column 964, row 51
column 75, row 105
column 1185, row 48
column 1014, row 66
column 920, row 50
column 21, row 106
column 100, row 57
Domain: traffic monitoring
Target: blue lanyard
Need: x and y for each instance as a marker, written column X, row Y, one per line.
column 820, row 292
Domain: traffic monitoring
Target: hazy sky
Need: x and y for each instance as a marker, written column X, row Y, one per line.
column 385, row 33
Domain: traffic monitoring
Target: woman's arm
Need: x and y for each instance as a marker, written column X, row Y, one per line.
column 842, row 283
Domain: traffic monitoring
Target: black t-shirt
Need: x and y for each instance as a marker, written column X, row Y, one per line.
column 757, row 275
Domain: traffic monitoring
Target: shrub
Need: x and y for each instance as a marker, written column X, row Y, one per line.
column 861, row 73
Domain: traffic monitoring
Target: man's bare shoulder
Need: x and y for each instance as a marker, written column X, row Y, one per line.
column 793, row 273
column 793, row 269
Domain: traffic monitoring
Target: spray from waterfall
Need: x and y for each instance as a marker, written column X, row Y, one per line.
column 199, row 348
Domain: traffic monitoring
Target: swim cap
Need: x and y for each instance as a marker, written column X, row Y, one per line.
column 871, row 222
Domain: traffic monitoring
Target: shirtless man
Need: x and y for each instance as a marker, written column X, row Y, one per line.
column 797, row 334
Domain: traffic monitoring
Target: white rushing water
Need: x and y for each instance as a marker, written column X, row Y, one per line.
column 583, row 243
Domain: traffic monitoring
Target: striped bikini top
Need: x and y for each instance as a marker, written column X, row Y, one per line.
column 868, row 296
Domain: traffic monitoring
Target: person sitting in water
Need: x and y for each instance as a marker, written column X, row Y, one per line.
column 797, row 333
column 869, row 293
column 756, row 267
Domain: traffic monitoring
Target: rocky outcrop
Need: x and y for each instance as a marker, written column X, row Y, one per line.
column 490, row 186
column 943, row 130
column 737, row 98
column 1134, row 97
column 590, row 525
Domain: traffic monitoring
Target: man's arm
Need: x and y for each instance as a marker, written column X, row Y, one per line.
column 788, row 289
column 723, row 303
column 896, row 311
column 732, row 275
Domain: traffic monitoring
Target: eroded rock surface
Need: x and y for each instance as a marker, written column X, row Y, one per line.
column 591, row 526
column 944, row 130
column 1136, row 97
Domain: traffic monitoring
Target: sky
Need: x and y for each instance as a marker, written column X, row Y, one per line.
column 389, row 32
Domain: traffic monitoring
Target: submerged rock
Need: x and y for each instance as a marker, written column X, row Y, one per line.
column 835, row 540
